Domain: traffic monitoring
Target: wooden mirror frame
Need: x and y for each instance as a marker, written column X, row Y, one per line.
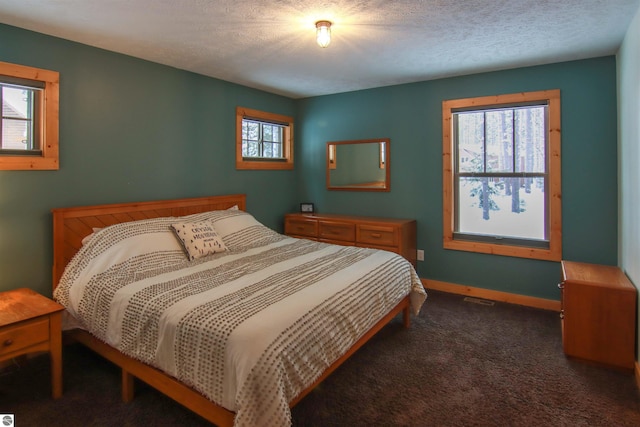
column 332, row 162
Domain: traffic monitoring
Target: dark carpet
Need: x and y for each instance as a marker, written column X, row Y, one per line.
column 460, row 364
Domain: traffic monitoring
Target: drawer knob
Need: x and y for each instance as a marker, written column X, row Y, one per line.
column 562, row 314
column 7, row 343
column 376, row 235
column 561, row 285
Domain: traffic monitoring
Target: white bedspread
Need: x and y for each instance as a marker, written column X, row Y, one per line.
column 249, row 328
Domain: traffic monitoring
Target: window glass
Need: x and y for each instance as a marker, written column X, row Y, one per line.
column 502, row 208
column 261, row 140
column 490, row 200
column 18, row 114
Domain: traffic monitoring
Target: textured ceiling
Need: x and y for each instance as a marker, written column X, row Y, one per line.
column 270, row 44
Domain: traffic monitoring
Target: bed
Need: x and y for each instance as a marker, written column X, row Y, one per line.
column 238, row 335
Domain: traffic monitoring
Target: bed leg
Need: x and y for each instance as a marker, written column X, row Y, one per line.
column 406, row 316
column 127, row 386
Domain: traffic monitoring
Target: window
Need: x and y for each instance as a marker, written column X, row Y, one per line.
column 263, row 140
column 29, row 125
column 501, row 171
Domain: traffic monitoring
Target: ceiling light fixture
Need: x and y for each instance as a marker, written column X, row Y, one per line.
column 323, row 33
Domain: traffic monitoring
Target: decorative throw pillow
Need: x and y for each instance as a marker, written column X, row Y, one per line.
column 198, row 239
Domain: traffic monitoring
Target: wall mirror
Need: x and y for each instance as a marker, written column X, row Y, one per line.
column 361, row 165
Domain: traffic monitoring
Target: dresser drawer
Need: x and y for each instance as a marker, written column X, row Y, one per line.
column 377, row 235
column 301, row 227
column 341, row 231
column 23, row 335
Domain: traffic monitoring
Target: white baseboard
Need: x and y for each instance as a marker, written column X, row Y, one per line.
column 542, row 303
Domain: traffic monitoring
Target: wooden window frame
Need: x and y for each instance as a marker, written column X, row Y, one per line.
column 554, row 198
column 287, row 140
column 48, row 124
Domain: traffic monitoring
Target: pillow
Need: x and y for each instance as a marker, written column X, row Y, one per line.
column 241, row 231
column 238, row 229
column 198, row 239
column 128, row 249
column 89, row 236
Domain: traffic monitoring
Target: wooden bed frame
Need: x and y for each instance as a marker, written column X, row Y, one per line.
column 71, row 225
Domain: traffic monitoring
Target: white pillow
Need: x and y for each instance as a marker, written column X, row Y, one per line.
column 238, row 229
column 198, row 239
column 241, row 231
column 89, row 236
column 119, row 249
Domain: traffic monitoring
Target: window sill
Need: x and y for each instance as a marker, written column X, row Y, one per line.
column 28, row 163
column 262, row 165
column 551, row 254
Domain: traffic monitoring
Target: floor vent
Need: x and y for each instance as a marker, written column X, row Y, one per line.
column 478, row 301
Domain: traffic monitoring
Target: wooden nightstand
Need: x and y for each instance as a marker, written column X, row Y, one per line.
column 598, row 314
column 29, row 323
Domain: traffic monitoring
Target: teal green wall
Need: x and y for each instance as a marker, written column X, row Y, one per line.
column 129, row 130
column 411, row 115
column 134, row 130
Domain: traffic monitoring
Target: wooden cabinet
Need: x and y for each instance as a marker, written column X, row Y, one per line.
column 598, row 314
column 395, row 235
column 30, row 323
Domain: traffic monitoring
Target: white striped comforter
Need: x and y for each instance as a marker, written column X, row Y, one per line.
column 249, row 328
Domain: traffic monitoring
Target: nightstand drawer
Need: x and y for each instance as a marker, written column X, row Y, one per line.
column 341, row 231
column 301, row 227
column 20, row 336
column 377, row 235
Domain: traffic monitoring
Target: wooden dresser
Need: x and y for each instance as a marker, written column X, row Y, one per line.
column 598, row 314
column 395, row 235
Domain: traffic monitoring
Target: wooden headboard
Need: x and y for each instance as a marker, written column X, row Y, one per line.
column 71, row 225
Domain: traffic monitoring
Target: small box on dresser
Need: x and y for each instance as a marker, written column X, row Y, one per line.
column 394, row 235
column 598, row 314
